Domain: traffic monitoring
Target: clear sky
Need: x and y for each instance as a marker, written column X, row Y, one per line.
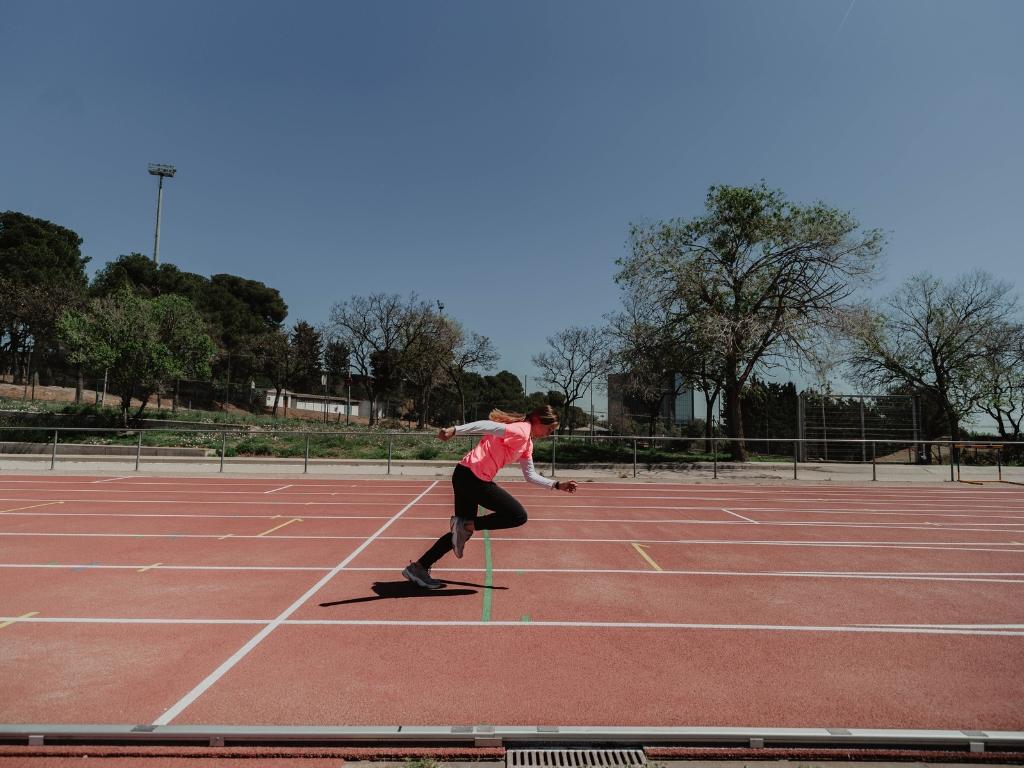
column 492, row 155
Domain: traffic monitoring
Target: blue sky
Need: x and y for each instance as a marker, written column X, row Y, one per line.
column 492, row 155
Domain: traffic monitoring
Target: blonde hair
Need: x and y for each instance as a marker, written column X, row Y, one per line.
column 545, row 414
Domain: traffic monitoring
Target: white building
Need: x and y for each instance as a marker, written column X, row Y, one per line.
column 318, row 403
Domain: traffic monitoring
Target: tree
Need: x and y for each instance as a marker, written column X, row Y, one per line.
column 237, row 308
column 935, row 338
column 336, row 361
column 469, row 352
column 657, row 362
column 275, row 356
column 144, row 343
column 379, row 330
column 42, row 273
column 754, row 275
column 1002, row 373
column 503, row 390
column 142, row 276
column 432, row 337
column 579, row 357
column 770, row 410
column 307, row 351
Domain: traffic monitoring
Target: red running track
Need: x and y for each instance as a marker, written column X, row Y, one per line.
column 268, row 602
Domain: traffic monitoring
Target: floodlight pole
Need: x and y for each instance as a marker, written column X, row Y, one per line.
column 160, row 171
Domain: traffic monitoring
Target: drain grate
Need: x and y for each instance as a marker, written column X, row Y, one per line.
column 574, row 758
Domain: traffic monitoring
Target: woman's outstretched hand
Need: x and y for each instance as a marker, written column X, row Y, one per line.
column 569, row 486
column 446, row 434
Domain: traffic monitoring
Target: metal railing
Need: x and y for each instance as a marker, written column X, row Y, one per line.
column 560, row 452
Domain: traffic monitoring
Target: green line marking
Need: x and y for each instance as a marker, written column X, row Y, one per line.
column 488, row 577
column 525, row 618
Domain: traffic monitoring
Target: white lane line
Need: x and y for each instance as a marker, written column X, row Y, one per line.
column 245, row 503
column 922, row 525
column 31, row 506
column 870, row 503
column 986, row 527
column 272, row 490
column 108, row 480
column 203, row 491
column 194, row 567
column 874, row 512
column 982, row 577
column 935, row 527
column 951, row 626
column 974, row 546
column 214, row 676
column 741, row 517
column 990, row 630
column 209, row 517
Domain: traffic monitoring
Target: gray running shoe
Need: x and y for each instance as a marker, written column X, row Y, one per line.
column 417, row 574
column 459, row 535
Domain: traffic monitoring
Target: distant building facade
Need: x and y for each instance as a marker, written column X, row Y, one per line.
column 627, row 414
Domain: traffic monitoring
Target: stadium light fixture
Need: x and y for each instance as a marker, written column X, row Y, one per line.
column 160, row 170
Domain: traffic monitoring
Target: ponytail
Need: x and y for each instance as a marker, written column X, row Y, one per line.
column 505, row 418
column 545, row 414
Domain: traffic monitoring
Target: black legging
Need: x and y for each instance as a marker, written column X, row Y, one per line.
column 471, row 492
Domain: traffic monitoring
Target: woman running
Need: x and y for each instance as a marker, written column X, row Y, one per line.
column 507, row 437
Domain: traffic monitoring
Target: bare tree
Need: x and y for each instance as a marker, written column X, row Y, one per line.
column 1003, row 385
column 579, row 358
column 378, row 330
column 469, row 352
column 655, row 362
column 425, row 358
column 753, row 277
column 935, row 338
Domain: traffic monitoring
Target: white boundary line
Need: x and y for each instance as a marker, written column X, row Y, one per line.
column 977, row 577
column 741, row 517
column 992, row 630
column 214, row 676
column 272, row 490
column 948, row 546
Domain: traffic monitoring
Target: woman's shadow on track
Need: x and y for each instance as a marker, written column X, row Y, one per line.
column 393, row 590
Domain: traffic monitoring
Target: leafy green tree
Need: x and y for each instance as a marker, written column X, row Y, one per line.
column 143, row 343
column 336, row 361
column 770, row 410
column 275, row 356
column 145, row 278
column 238, row 308
column 503, row 390
column 755, row 277
column 42, row 272
column 38, row 252
column 307, row 351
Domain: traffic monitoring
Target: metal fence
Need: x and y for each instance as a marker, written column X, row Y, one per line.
column 625, row 454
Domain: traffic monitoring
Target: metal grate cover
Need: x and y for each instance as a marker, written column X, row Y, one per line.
column 575, row 758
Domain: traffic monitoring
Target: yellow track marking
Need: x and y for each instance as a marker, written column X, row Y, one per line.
column 23, row 616
column 282, row 525
column 225, row 537
column 154, row 565
column 640, row 548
